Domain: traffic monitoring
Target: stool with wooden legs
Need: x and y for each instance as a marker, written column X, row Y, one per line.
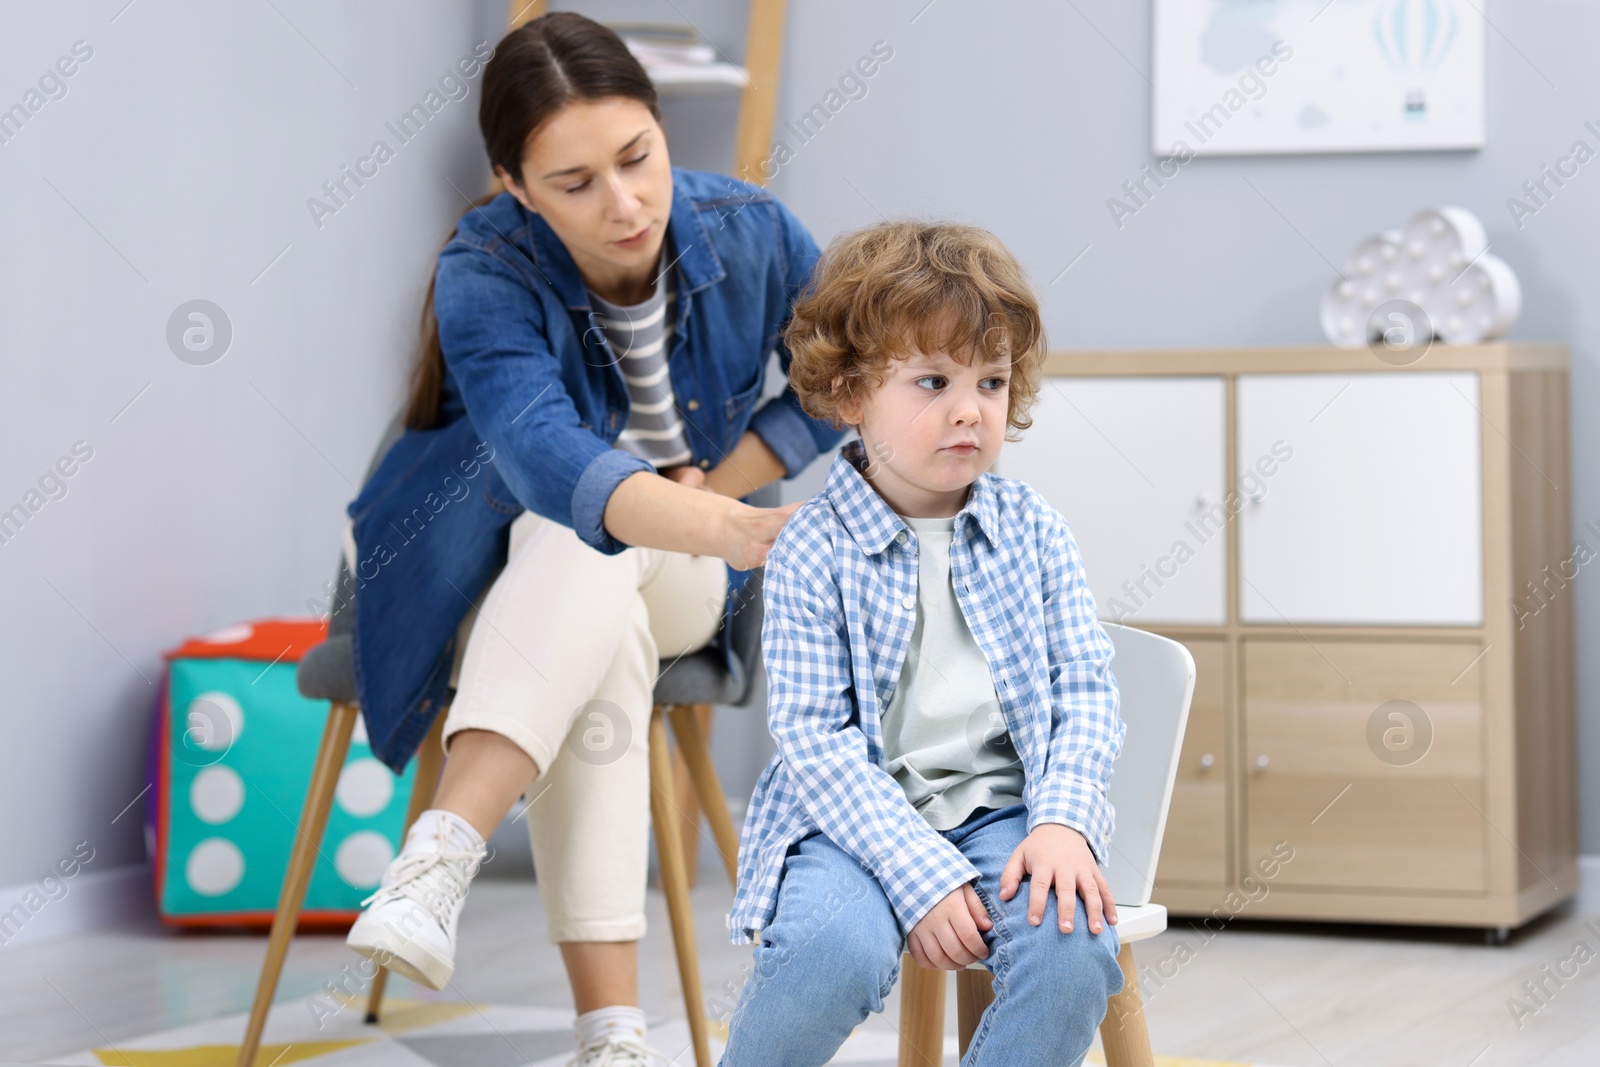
column 326, row 672
column 687, row 799
column 1155, row 677
column 682, row 688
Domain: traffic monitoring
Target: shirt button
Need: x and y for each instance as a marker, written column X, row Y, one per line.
column 705, row 463
column 901, row 537
column 909, row 602
column 694, row 405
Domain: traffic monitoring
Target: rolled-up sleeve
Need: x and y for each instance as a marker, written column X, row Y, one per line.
column 495, row 344
column 782, row 424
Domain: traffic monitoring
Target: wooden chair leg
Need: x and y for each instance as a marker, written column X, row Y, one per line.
column 974, row 994
column 430, row 758
column 695, row 752
column 1122, row 1033
column 302, row 858
column 688, row 798
column 675, row 884
column 921, row 1015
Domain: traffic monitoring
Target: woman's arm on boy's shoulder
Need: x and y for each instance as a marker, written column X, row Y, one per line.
column 811, row 713
column 1086, row 730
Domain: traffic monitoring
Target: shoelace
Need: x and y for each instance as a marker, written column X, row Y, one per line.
column 434, row 879
column 617, row 1052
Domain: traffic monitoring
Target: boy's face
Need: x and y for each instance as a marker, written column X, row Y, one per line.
column 931, row 429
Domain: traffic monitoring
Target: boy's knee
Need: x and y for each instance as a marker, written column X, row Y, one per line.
column 873, row 973
column 1079, row 965
column 859, row 958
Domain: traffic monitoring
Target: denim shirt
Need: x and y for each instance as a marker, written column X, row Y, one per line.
column 840, row 598
column 532, row 401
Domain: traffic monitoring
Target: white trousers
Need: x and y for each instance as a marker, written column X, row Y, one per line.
column 560, row 655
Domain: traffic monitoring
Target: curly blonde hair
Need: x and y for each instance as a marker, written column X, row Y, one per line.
column 891, row 290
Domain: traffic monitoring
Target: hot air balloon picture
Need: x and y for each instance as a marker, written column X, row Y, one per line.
column 1266, row 76
column 1415, row 37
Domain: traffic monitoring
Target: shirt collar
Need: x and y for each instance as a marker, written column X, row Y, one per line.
column 874, row 524
column 687, row 247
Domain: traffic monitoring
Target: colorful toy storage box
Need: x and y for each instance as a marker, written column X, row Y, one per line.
column 232, row 750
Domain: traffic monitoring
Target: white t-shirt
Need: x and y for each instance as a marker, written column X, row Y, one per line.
column 945, row 740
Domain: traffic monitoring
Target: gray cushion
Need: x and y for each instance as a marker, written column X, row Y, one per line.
column 327, row 671
column 698, row 678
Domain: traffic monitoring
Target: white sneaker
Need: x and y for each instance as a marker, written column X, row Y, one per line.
column 617, row 1052
column 409, row 924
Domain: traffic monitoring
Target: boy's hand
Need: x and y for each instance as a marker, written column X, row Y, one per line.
column 1059, row 854
column 946, row 938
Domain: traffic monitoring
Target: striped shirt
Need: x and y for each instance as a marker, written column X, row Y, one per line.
column 839, row 594
column 641, row 336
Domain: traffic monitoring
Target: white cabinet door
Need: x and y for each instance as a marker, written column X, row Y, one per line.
column 1376, row 517
column 1137, row 467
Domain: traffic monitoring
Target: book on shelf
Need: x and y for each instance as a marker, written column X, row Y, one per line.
column 677, row 55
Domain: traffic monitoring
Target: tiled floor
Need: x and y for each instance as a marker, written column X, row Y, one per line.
column 1257, row 993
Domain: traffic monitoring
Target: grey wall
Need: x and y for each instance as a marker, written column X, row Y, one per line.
column 176, row 167
column 179, row 163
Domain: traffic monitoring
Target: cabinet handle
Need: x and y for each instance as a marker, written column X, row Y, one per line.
column 1207, row 761
column 1261, row 763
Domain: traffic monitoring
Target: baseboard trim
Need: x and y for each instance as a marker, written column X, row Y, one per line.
column 92, row 899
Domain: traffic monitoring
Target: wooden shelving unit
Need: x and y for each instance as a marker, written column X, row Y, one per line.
column 1384, row 649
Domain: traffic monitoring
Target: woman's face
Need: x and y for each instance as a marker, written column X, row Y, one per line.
column 599, row 174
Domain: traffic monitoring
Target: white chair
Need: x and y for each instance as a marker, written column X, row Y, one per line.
column 1155, row 677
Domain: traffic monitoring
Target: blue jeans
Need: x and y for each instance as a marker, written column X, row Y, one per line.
column 833, row 949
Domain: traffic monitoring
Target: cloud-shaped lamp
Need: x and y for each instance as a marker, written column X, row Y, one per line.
column 1441, row 264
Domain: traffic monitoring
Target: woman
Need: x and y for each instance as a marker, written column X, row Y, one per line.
column 585, row 413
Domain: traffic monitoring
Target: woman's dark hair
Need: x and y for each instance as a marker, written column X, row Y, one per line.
column 536, row 70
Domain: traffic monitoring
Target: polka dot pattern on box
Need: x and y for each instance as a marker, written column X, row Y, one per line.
column 215, row 720
column 361, row 858
column 215, row 866
column 239, row 743
column 216, row 795
column 230, row 635
column 365, row 787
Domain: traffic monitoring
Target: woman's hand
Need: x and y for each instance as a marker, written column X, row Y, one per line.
column 747, row 533
column 750, row 532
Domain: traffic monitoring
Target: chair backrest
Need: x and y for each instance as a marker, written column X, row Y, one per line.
column 748, row 612
column 1155, row 680
column 339, row 615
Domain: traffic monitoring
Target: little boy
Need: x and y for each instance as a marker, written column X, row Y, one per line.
column 940, row 692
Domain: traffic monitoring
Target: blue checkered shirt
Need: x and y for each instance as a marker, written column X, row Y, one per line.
column 840, row 595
